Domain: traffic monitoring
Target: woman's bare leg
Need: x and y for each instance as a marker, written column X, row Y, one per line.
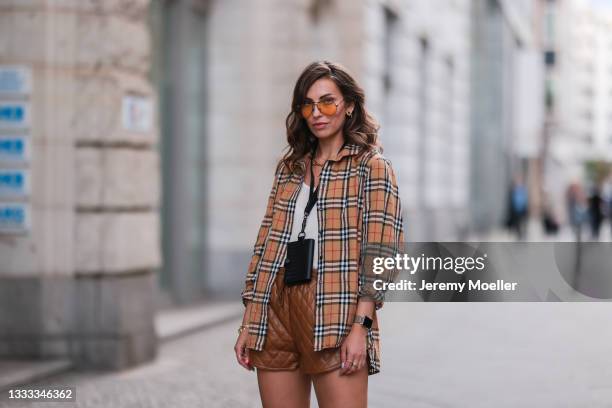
column 282, row 389
column 340, row 391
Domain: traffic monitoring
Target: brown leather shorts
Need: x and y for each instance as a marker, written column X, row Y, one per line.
column 289, row 340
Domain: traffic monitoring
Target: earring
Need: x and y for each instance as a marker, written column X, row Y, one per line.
column 349, row 113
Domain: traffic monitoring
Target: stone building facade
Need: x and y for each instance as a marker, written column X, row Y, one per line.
column 79, row 282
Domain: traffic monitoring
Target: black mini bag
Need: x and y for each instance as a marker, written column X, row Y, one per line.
column 298, row 265
column 300, row 253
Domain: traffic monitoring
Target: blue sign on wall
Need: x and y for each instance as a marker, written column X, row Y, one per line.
column 14, row 218
column 14, row 183
column 15, row 80
column 14, row 149
column 14, row 114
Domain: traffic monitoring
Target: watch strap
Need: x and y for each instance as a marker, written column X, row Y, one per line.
column 363, row 320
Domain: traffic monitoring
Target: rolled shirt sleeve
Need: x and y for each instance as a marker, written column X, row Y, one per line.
column 382, row 225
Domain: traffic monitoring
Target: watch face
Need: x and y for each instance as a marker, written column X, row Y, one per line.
column 364, row 321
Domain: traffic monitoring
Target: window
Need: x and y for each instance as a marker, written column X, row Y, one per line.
column 449, row 181
column 549, row 26
column 180, row 72
column 549, row 58
column 549, row 95
column 318, row 8
column 423, row 113
column 388, row 43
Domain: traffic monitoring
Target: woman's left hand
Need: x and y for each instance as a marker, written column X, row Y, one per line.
column 353, row 350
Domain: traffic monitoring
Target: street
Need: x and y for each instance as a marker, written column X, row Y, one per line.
column 433, row 355
column 156, row 158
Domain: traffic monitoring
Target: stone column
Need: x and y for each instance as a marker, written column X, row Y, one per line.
column 79, row 283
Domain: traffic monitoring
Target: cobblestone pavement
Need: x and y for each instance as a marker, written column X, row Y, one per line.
column 433, row 355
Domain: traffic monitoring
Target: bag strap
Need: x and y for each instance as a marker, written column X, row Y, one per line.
column 312, row 198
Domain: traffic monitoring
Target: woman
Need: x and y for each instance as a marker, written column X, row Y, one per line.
column 332, row 186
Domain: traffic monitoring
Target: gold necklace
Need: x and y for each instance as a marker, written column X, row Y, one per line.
column 316, row 163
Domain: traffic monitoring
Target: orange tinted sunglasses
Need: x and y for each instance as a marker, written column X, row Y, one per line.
column 327, row 107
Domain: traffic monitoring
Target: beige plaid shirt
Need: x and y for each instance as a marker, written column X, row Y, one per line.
column 358, row 197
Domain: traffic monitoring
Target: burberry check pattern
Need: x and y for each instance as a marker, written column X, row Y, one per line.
column 358, row 203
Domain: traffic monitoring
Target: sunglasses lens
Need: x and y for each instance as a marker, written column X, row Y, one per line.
column 306, row 110
column 327, row 108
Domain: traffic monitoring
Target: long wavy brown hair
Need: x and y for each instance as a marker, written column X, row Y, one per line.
column 361, row 128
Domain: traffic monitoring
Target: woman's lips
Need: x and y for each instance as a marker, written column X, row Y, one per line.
column 319, row 125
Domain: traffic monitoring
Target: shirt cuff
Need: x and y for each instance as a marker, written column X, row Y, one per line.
column 247, row 295
column 378, row 304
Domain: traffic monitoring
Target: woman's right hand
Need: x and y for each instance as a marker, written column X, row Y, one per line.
column 242, row 352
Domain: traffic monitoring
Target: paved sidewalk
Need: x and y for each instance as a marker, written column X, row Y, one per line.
column 16, row 372
column 170, row 324
column 495, row 355
column 433, row 355
column 178, row 322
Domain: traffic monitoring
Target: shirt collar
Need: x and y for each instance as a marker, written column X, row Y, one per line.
column 349, row 149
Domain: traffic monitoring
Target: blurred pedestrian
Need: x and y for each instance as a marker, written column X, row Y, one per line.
column 550, row 222
column 596, row 211
column 517, row 207
column 576, row 208
column 606, row 195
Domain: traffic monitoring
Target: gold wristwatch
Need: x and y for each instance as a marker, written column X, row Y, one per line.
column 242, row 327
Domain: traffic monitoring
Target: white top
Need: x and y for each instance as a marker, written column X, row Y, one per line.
column 312, row 224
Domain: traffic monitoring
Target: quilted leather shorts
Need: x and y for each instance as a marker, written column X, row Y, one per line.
column 289, row 341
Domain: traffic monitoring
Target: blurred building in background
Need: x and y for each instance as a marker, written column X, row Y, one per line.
column 79, row 189
column 578, row 54
column 417, row 78
column 225, row 73
column 507, row 106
